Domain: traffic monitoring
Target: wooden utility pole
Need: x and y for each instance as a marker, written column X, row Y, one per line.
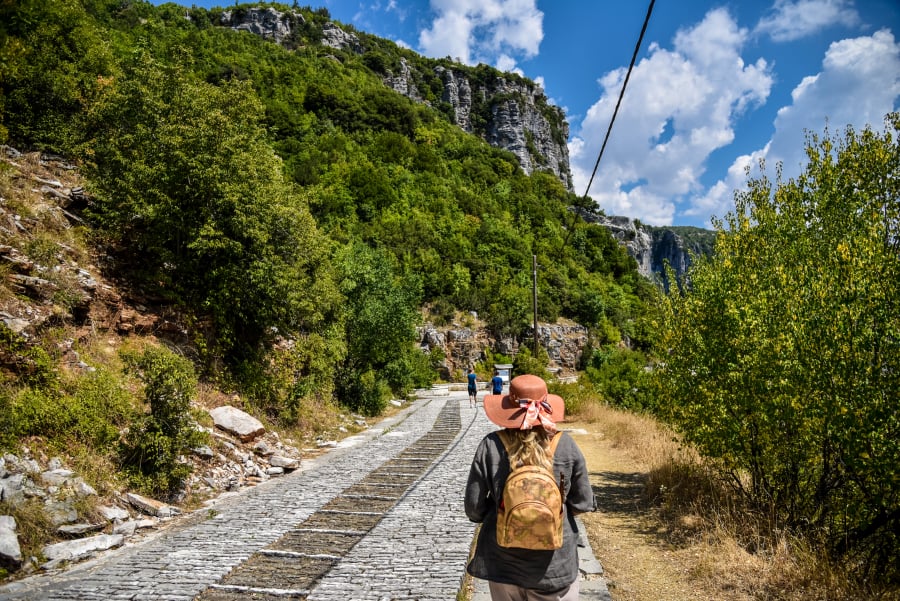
column 534, row 300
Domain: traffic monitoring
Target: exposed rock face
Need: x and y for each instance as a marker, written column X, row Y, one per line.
column 465, row 346
column 512, row 113
column 458, row 94
column 518, row 125
column 653, row 247
column 265, row 22
column 634, row 237
column 403, row 82
column 335, row 37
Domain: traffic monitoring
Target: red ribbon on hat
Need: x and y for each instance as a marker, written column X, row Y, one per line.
column 537, row 413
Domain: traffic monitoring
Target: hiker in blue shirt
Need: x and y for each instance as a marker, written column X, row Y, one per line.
column 473, row 387
column 496, row 383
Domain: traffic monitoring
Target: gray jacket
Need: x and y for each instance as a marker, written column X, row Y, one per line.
column 544, row 571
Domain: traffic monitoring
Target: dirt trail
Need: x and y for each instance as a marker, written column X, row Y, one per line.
column 639, row 564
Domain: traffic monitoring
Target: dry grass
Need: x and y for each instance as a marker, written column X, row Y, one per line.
column 667, row 530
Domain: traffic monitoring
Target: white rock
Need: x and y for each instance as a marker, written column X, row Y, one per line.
column 113, row 513
column 76, row 549
column 284, row 462
column 9, row 542
column 231, row 419
column 149, row 506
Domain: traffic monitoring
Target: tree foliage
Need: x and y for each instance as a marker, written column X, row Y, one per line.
column 152, row 447
column 185, row 173
column 783, row 361
column 234, row 175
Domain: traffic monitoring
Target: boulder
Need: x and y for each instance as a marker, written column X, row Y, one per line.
column 284, row 462
column 10, row 552
column 233, row 420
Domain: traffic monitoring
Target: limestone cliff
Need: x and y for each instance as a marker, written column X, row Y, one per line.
column 507, row 111
column 653, row 247
column 464, row 345
column 264, row 22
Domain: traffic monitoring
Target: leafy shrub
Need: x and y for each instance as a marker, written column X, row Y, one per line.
column 151, row 448
column 102, row 406
column 782, row 361
column 620, row 376
column 24, row 363
column 39, row 412
column 577, row 396
column 366, row 392
column 526, row 363
column 413, row 369
column 292, row 376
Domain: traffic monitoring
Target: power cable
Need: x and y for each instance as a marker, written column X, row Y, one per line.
column 621, row 94
column 637, row 48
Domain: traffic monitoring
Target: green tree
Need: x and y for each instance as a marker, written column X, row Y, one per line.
column 783, row 362
column 382, row 315
column 52, row 60
column 184, row 171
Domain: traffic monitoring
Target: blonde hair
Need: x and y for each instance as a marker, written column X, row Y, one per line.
column 528, row 447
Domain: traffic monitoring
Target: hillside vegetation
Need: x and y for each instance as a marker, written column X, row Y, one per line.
column 276, row 217
column 282, row 191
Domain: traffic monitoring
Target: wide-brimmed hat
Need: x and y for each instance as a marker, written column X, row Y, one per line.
column 510, row 410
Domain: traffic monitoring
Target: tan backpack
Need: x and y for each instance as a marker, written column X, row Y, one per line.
column 530, row 515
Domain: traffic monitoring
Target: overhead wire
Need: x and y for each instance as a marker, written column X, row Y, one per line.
column 637, row 48
column 612, row 120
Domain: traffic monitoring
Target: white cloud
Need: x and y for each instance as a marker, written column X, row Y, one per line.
column 858, row 85
column 483, row 30
column 505, row 63
column 792, row 20
column 680, row 106
column 449, row 35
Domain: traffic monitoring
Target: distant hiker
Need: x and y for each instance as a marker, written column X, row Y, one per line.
column 496, row 383
column 473, row 387
column 533, row 563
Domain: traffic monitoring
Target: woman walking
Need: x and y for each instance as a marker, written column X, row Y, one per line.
column 528, row 416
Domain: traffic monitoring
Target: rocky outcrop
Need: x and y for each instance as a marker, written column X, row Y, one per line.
column 512, row 114
column 403, row 82
column 335, row 37
column 463, row 346
column 655, row 247
column 91, row 303
column 458, row 94
column 507, row 111
column 519, row 125
column 267, row 23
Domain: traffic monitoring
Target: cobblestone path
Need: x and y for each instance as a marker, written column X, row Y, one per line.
column 378, row 518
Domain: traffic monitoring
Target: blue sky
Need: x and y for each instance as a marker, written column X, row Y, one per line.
column 717, row 85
